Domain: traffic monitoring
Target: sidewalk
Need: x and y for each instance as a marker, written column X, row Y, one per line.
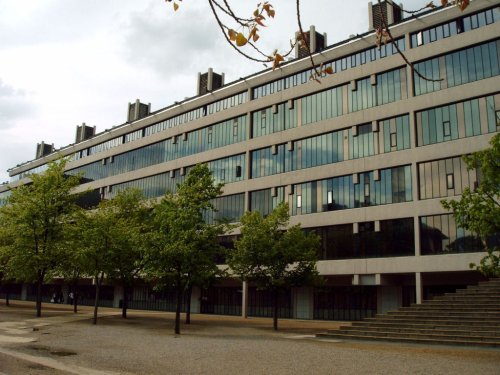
column 61, row 342
column 64, row 312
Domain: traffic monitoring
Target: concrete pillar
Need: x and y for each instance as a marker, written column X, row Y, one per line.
column 389, row 298
column 24, row 292
column 303, row 303
column 419, row 291
column 244, row 299
column 196, row 300
column 118, row 296
column 65, row 292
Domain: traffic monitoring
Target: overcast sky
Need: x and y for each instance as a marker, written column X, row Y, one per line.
column 65, row 62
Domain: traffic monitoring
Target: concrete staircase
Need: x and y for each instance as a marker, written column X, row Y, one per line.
column 467, row 317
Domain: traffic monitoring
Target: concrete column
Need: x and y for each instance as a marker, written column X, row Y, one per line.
column 118, row 295
column 389, row 298
column 195, row 300
column 24, row 292
column 244, row 299
column 249, row 126
column 418, row 288
column 303, row 303
column 65, row 292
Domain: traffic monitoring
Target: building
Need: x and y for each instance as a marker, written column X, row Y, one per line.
column 363, row 158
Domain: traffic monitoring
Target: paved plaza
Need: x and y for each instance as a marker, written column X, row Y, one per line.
column 65, row 343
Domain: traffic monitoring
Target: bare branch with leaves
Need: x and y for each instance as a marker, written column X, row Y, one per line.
column 246, row 33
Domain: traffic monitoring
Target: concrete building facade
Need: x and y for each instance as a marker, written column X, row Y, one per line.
column 363, row 158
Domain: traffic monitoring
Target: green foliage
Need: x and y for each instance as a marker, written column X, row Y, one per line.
column 130, row 217
column 33, row 225
column 271, row 255
column 182, row 246
column 34, row 219
column 479, row 210
column 489, row 266
column 108, row 240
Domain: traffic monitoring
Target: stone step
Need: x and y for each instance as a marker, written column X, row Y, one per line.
column 494, row 316
column 468, row 317
column 429, row 330
column 495, row 281
column 477, row 292
column 462, row 300
column 458, row 302
column 457, row 312
column 452, row 307
column 445, row 320
column 451, row 323
column 409, row 340
column 418, row 335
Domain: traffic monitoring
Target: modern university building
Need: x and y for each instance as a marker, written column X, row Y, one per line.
column 363, row 158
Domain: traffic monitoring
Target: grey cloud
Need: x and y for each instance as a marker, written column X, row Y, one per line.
column 13, row 105
column 175, row 46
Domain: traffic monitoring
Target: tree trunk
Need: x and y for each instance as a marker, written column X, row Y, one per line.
column 7, row 297
column 188, row 304
column 75, row 297
column 125, row 302
column 98, row 281
column 39, row 283
column 75, row 302
column 275, row 310
column 180, row 293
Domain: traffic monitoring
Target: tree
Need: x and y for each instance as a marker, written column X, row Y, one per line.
column 4, row 260
column 272, row 256
column 478, row 210
column 182, row 245
column 127, row 261
column 109, row 242
column 34, row 219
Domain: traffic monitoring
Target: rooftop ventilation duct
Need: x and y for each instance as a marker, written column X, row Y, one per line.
column 138, row 110
column 392, row 13
column 316, row 43
column 84, row 132
column 209, row 81
column 43, row 149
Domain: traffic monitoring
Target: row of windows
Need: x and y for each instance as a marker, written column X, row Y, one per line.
column 218, row 135
column 458, row 68
column 344, row 63
column 439, row 234
column 454, row 27
column 373, row 188
column 226, row 103
column 151, row 187
column 388, row 88
column 356, row 142
column 445, row 178
column 227, row 170
column 215, row 107
column 394, row 238
column 230, row 207
column 274, row 119
column 459, row 120
column 361, row 94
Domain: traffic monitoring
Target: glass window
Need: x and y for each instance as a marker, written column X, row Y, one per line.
column 439, row 234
